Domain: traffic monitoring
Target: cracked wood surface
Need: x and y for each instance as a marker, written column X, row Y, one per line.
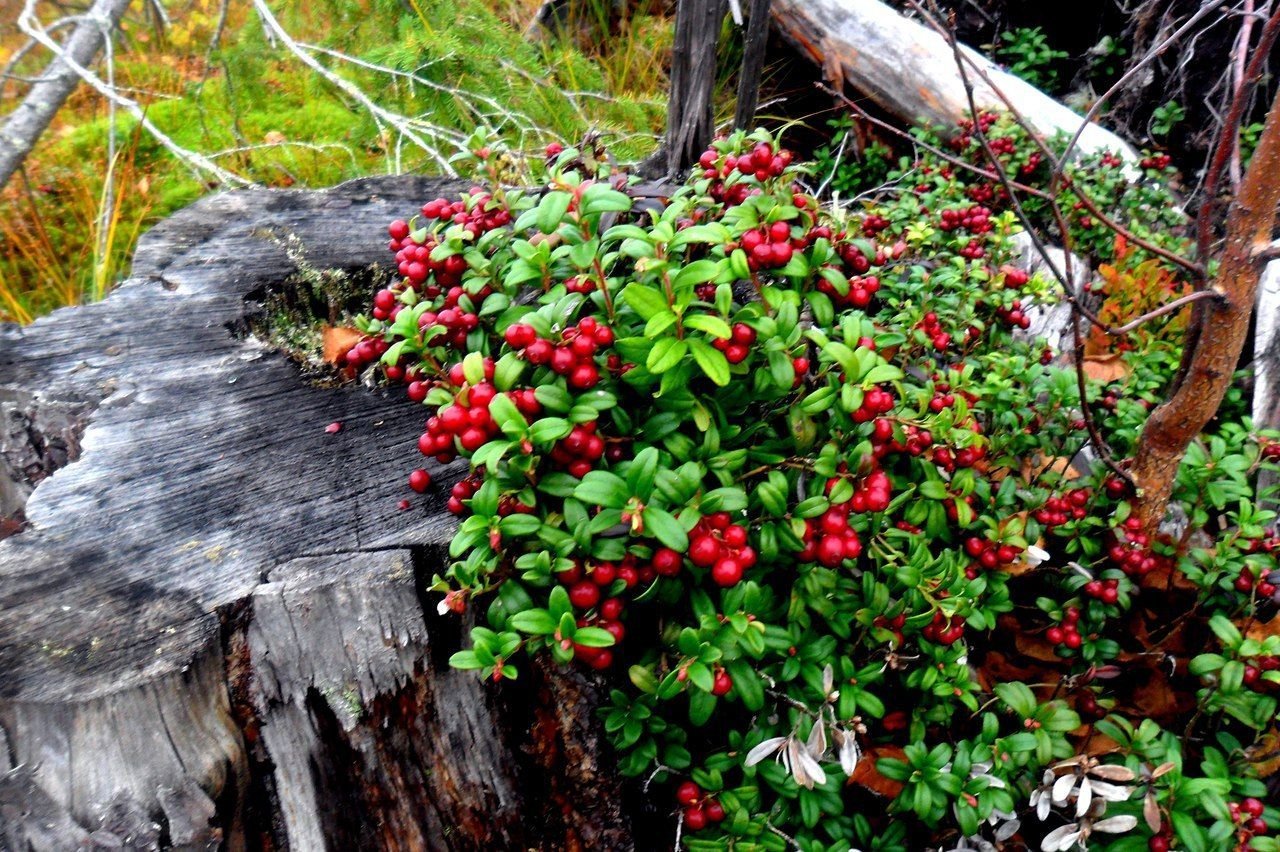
column 212, row 626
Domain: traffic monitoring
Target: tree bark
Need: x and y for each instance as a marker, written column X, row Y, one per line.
column 1251, row 221
column 214, row 629
column 690, row 121
column 744, row 116
column 23, row 127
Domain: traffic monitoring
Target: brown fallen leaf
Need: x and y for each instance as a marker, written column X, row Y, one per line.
column 337, row 340
column 1260, row 631
column 1265, row 753
column 1106, row 368
column 866, row 774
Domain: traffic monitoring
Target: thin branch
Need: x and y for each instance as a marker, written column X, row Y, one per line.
column 1151, row 55
column 406, row 127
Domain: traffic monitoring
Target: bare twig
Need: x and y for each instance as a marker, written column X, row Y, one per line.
column 414, row 130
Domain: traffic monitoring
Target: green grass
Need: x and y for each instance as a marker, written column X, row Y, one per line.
column 63, row 243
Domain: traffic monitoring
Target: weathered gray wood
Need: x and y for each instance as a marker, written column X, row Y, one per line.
column 910, row 71
column 744, row 115
column 212, row 621
column 690, row 122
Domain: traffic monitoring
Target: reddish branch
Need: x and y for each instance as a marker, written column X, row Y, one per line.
column 1172, row 427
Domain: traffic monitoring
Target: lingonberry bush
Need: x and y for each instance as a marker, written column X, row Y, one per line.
column 801, row 482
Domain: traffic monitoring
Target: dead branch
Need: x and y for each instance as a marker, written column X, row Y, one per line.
column 26, row 124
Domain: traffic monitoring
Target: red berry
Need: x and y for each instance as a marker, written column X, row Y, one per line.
column 667, row 562
column 688, row 793
column 714, row 810
column 727, row 572
column 722, row 684
column 695, row 819
column 420, row 480
column 584, row 594
column 704, row 551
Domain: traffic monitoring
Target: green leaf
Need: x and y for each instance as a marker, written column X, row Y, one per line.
column 465, row 660
column 701, row 706
column 664, row 527
column 712, row 325
column 593, row 637
column 549, row 429
column 602, row 488
column 711, row 360
column 599, row 198
column 538, row 622
column 551, row 211
column 746, row 683
column 1018, row 696
column 665, row 354
column 698, row 272
column 646, row 301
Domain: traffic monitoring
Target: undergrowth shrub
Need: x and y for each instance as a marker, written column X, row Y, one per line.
column 802, row 485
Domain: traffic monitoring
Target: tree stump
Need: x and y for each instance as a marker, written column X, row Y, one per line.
column 213, row 625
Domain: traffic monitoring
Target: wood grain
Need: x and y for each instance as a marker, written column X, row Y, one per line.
column 212, row 623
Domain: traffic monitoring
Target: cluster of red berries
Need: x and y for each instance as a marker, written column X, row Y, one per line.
column 479, row 216
column 1067, row 634
column 976, row 219
column 386, row 304
column 950, row 460
column 861, row 291
column 1130, row 550
column 761, row 162
column 942, row 397
column 988, row 554
column 856, row 260
column 721, row 545
column 467, row 419
column 829, row 540
column 580, row 284
column 1255, row 667
column 464, row 489
column 933, row 330
column 737, row 346
column 769, row 246
column 414, row 262
column 917, row 441
column 875, row 402
column 365, row 352
column 573, row 357
column 579, row 451
column 1014, row 316
column 873, row 224
column 699, row 810
column 1269, row 543
column 964, row 138
column 457, row 325
column 1107, row 591
column 1159, row 162
column 1270, row 449
column 893, row 624
column 1056, row 511
column 1266, row 585
column 945, row 630
column 1014, row 277
column 1248, row 814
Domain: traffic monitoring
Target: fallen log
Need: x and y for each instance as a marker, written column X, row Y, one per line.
column 213, row 624
column 910, row 71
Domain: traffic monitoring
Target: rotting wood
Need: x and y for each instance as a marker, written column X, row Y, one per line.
column 212, row 628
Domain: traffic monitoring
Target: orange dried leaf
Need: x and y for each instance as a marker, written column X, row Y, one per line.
column 1106, row 368
column 337, row 340
column 866, row 774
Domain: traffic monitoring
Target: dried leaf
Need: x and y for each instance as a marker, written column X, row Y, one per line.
column 1265, row 753
column 337, row 340
column 1261, row 631
column 866, row 774
column 1151, row 812
column 1106, row 368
